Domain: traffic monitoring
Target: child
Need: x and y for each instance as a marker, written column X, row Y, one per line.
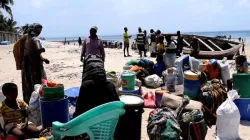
column 160, row 49
column 13, row 113
column 159, row 67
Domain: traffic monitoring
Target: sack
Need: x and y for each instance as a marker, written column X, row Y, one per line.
column 149, row 100
column 153, row 81
column 18, row 51
column 162, row 125
column 173, row 102
column 34, row 114
column 112, row 77
column 228, row 112
column 225, row 73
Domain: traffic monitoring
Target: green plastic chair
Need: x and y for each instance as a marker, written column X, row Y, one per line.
column 99, row 123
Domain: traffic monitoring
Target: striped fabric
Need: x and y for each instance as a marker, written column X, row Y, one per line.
column 140, row 39
column 11, row 115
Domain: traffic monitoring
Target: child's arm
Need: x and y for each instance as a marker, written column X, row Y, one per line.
column 2, row 127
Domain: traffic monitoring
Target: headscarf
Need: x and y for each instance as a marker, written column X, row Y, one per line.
column 34, row 29
column 94, row 70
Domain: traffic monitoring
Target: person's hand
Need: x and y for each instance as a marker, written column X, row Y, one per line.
column 24, row 126
column 46, row 61
column 42, row 50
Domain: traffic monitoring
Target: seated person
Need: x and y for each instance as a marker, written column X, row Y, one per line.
column 95, row 89
column 14, row 114
column 159, row 67
column 150, row 68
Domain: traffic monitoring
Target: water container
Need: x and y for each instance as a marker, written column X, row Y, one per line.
column 135, row 91
column 158, row 96
column 53, row 93
column 51, row 111
column 191, row 84
column 243, row 105
column 128, row 81
column 179, row 63
column 241, row 83
column 170, row 81
column 225, row 73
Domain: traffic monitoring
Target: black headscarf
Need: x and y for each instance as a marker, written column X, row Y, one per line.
column 35, row 29
column 94, row 70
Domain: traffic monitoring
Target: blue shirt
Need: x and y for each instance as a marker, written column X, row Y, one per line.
column 159, row 67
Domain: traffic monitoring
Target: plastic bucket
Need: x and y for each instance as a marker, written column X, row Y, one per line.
column 191, row 84
column 53, row 93
column 135, row 91
column 129, row 125
column 51, row 111
column 128, row 81
column 241, row 82
column 243, row 105
column 158, row 96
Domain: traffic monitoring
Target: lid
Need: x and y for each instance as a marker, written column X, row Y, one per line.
column 129, row 99
column 188, row 72
column 161, row 91
column 128, row 73
column 212, row 61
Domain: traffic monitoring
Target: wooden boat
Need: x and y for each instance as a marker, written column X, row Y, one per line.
column 210, row 47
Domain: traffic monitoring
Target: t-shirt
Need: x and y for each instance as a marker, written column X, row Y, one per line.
column 160, row 48
column 140, row 39
column 11, row 115
column 125, row 37
column 152, row 37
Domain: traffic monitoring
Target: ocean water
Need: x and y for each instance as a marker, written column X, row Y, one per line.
column 234, row 35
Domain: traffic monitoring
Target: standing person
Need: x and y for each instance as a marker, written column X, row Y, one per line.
column 79, row 41
column 179, row 43
column 170, row 54
column 146, row 41
column 243, row 47
column 65, row 41
column 32, row 65
column 158, row 34
column 126, row 38
column 152, row 48
column 140, row 40
column 92, row 45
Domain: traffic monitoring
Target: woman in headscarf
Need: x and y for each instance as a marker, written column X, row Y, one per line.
column 95, row 89
column 32, row 65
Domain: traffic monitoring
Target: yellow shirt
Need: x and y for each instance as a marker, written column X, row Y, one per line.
column 125, row 37
column 160, row 48
column 11, row 115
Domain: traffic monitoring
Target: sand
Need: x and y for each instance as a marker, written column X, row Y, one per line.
column 65, row 67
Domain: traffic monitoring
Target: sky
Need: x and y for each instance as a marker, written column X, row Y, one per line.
column 66, row 18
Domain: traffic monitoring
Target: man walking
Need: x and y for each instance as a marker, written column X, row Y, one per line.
column 126, row 38
column 179, row 43
column 140, row 40
column 92, row 45
column 152, row 48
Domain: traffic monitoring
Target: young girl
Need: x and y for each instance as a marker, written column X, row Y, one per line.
column 160, row 49
column 13, row 113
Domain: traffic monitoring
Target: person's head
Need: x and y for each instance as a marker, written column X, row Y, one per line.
column 125, row 29
column 35, row 29
column 141, row 64
column 10, row 91
column 94, row 69
column 178, row 33
column 145, row 32
column 139, row 30
column 152, row 31
column 161, row 39
column 93, row 31
column 158, row 32
column 159, row 58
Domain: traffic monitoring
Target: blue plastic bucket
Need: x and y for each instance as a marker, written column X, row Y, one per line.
column 243, row 105
column 135, row 91
column 51, row 111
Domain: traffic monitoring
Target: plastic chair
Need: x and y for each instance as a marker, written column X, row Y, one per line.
column 99, row 123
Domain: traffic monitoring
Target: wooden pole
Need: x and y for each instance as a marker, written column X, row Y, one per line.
column 205, row 44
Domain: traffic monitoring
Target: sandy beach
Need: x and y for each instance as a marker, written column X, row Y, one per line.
column 65, row 67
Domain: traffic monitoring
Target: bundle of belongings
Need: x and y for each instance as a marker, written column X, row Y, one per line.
column 163, row 123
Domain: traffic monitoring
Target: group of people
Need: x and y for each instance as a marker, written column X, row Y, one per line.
column 154, row 43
